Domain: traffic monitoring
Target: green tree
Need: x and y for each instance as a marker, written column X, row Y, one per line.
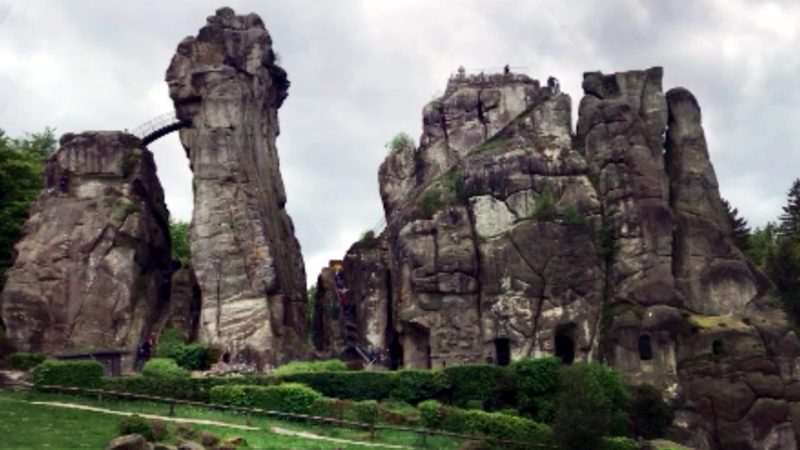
column 783, row 268
column 789, row 221
column 21, row 167
column 593, row 402
column 762, row 241
column 740, row 232
column 179, row 235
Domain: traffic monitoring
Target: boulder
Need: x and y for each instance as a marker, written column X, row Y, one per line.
column 89, row 264
column 129, row 442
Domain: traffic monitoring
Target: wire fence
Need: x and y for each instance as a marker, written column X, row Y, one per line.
column 249, row 412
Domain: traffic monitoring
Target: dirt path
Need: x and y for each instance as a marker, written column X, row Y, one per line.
column 276, row 430
column 148, row 416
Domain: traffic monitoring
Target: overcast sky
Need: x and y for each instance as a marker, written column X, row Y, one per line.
column 362, row 70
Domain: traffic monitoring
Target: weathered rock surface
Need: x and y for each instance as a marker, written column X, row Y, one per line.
column 93, row 251
column 182, row 313
column 129, row 442
column 509, row 236
column 246, row 258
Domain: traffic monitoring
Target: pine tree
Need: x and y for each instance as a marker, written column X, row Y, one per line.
column 790, row 219
column 740, row 232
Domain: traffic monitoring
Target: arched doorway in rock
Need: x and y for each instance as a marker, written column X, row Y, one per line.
column 416, row 342
column 645, row 348
column 395, row 352
column 502, row 351
column 565, row 343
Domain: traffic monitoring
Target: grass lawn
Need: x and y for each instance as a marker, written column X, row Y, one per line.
column 24, row 425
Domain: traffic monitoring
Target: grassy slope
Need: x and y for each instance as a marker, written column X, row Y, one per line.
column 23, row 425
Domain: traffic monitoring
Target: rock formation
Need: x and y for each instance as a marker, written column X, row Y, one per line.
column 508, row 236
column 246, row 259
column 89, row 264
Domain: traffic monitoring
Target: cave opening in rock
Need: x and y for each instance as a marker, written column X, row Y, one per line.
column 417, row 347
column 395, row 353
column 717, row 347
column 565, row 344
column 502, row 350
column 645, row 348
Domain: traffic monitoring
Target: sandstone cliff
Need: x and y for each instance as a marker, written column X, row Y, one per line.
column 246, row 259
column 93, row 253
column 508, row 235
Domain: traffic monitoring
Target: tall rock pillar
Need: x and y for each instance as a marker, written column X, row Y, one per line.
column 247, row 260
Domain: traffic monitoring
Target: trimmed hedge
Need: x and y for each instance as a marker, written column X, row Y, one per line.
column 413, row 386
column 183, row 388
column 164, row 368
column 85, row 374
column 287, row 397
column 196, row 356
column 493, row 386
column 331, row 365
column 618, row 443
column 347, row 385
column 494, row 425
column 24, row 361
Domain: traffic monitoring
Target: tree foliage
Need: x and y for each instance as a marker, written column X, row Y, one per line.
column 400, row 140
column 740, row 232
column 789, row 221
column 762, row 242
column 21, row 166
column 179, row 235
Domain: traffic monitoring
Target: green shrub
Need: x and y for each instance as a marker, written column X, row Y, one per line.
column 135, row 424
column 196, row 356
column 328, row 407
column 592, row 403
column 287, row 397
column 650, row 415
column 430, row 412
column 536, row 383
column 331, row 365
column 184, row 388
column 413, row 386
column 366, row 411
column 169, row 343
column 431, row 202
column 618, row 443
column 85, row 374
column 474, row 404
column 164, row 368
column 572, row 216
column 545, row 206
column 350, row 385
column 24, row 361
column 400, row 140
column 481, row 423
column 493, row 386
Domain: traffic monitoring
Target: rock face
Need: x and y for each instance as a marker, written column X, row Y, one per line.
column 508, row 236
column 96, row 245
column 246, row 259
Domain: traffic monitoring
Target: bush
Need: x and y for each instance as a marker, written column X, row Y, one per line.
column 169, row 343
column 366, row 411
column 592, row 403
column 287, row 397
column 331, row 365
column 493, row 386
column 135, row 425
column 24, row 361
column 183, row 388
column 328, row 407
column 85, row 374
column 347, row 385
column 431, row 202
column 536, row 384
column 571, row 216
column 196, row 356
column 413, row 386
column 400, row 140
column 650, row 415
column 164, row 368
column 545, row 206
column 618, row 443
column 494, row 425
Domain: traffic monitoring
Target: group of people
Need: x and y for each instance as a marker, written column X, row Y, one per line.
column 145, row 351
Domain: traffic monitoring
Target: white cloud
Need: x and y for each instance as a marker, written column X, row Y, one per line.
column 362, row 70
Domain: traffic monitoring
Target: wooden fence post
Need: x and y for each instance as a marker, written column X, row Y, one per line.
column 171, row 409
